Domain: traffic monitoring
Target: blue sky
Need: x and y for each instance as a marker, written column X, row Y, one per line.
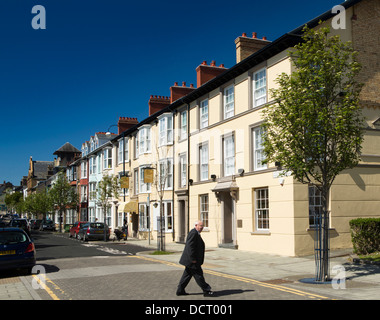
column 98, row 60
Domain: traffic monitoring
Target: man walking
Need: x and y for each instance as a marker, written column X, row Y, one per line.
column 192, row 258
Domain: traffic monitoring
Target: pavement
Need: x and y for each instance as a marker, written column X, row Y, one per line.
column 352, row 281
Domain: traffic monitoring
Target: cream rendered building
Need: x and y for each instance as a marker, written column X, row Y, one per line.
column 211, row 139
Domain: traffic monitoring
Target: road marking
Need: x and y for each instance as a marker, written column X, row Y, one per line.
column 46, row 288
column 243, row 279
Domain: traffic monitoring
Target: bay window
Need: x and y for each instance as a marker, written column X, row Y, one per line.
column 107, row 158
column 165, row 125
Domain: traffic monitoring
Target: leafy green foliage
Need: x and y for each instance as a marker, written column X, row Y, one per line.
column 365, row 235
column 315, row 127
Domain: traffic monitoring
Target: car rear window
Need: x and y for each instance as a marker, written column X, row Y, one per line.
column 12, row 237
column 97, row 225
column 18, row 223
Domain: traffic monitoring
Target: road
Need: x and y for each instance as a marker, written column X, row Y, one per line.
column 95, row 270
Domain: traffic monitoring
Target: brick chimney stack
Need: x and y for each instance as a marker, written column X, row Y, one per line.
column 156, row 103
column 207, row 72
column 126, row 123
column 247, row 46
column 177, row 92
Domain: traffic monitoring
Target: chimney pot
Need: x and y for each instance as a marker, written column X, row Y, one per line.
column 213, row 63
column 204, row 63
column 183, row 84
column 222, row 65
column 244, row 35
column 264, row 38
column 176, row 84
column 254, row 35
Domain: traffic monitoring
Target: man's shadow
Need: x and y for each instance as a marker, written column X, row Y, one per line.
column 228, row 292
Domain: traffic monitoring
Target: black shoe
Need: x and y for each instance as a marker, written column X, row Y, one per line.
column 182, row 293
column 209, row 294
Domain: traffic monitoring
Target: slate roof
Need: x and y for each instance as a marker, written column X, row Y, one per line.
column 67, row 147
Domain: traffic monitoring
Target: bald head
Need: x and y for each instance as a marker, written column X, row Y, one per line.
column 199, row 226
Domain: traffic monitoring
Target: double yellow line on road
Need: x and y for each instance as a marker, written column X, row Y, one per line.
column 42, row 284
column 244, row 279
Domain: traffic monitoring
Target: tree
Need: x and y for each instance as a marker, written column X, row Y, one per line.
column 63, row 196
column 108, row 188
column 38, row 203
column 315, row 128
column 163, row 180
column 14, row 201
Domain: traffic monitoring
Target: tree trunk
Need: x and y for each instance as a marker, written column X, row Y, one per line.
column 322, row 240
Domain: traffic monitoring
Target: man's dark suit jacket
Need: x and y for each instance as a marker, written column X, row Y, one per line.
column 194, row 250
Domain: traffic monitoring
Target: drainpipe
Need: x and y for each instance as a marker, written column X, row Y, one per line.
column 124, row 163
column 188, row 168
column 173, row 222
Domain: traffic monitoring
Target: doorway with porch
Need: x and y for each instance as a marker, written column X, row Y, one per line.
column 228, row 220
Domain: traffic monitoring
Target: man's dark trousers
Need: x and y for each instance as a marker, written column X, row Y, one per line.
column 197, row 273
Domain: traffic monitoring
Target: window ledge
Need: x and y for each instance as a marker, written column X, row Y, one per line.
column 314, row 229
column 261, row 233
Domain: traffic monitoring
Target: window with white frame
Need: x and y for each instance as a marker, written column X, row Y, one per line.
column 136, row 180
column 183, row 125
column 93, row 165
column 83, row 193
column 98, row 163
column 108, row 216
column 167, row 215
column 143, row 217
column 228, row 155
column 203, row 162
column 166, row 174
column 262, row 209
column 165, row 125
column 92, row 191
column 136, row 145
column 203, row 114
column 120, row 157
column 258, row 149
column 126, row 149
column 260, row 88
column 203, row 208
column 229, row 105
column 168, row 212
column 144, row 140
column 83, row 169
column 107, row 158
column 315, row 205
column 91, row 212
column 182, row 170
column 143, row 187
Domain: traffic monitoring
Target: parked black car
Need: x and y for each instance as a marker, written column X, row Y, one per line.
column 47, row 225
column 93, row 231
column 16, row 249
